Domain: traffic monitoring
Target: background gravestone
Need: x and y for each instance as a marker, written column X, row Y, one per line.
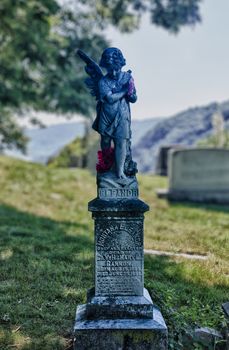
column 162, row 159
column 199, row 175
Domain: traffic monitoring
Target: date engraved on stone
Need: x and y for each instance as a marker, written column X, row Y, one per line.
column 119, row 258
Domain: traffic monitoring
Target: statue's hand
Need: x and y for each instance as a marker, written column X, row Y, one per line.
column 125, row 87
column 131, row 87
column 116, row 89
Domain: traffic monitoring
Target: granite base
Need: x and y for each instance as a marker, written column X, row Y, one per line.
column 119, row 313
column 146, row 331
column 117, row 307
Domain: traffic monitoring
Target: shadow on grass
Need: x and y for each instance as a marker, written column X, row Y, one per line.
column 46, row 267
column 186, row 301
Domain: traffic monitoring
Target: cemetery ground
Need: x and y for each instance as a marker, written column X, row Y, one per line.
column 46, row 256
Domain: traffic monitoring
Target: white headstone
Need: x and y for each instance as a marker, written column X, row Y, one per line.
column 199, row 174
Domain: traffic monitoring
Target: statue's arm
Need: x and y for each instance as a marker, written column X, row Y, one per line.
column 131, row 95
column 114, row 97
column 132, row 98
column 106, row 93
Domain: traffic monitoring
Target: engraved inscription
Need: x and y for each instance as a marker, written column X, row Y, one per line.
column 119, row 258
column 118, row 192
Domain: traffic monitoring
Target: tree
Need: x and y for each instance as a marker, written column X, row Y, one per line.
column 168, row 14
column 38, row 40
column 219, row 137
column 24, row 46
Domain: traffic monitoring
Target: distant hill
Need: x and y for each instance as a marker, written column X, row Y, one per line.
column 148, row 135
column 82, row 153
column 185, row 128
column 140, row 127
column 47, row 142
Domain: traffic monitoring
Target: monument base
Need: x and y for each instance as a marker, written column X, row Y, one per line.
column 196, row 196
column 147, row 332
column 119, row 313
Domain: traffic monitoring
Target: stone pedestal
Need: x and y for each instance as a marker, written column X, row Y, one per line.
column 119, row 314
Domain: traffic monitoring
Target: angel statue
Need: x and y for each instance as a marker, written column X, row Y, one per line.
column 113, row 92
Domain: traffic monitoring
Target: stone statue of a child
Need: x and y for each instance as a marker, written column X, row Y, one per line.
column 114, row 92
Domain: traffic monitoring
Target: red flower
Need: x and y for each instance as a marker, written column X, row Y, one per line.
column 105, row 160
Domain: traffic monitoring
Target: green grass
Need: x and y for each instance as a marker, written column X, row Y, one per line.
column 46, row 256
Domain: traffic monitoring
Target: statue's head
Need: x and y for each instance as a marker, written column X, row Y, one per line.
column 112, row 58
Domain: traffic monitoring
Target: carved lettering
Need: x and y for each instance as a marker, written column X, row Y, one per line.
column 118, row 193
column 119, row 258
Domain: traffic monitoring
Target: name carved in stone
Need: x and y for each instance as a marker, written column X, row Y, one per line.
column 118, row 193
column 119, row 258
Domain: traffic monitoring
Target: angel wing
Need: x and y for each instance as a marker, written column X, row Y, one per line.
column 94, row 71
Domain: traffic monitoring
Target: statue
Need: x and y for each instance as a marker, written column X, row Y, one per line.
column 119, row 312
column 113, row 92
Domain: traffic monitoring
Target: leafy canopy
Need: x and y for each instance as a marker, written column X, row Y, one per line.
column 38, row 40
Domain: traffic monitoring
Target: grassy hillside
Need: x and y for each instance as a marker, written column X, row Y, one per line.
column 46, row 256
column 81, row 153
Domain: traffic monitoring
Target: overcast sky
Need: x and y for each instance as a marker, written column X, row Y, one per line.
column 172, row 72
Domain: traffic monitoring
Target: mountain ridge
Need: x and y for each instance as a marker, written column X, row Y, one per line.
column 148, row 135
column 185, row 128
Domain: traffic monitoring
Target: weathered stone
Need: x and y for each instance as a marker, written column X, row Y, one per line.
column 119, row 313
column 187, row 339
column 119, row 334
column 119, row 252
column 225, row 307
column 119, row 256
column 198, row 175
column 122, row 206
column 162, row 159
column 119, row 307
column 109, row 187
column 207, row 337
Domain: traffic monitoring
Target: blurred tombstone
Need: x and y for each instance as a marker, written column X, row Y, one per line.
column 162, row 159
column 198, row 175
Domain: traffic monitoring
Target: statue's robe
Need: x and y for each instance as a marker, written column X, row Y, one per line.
column 113, row 119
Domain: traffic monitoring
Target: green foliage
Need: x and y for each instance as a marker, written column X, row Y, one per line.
column 81, row 153
column 24, row 48
column 221, row 140
column 46, row 256
column 38, row 41
column 72, row 155
column 38, row 68
column 168, row 14
column 220, row 136
column 173, row 14
column 11, row 134
column 63, row 79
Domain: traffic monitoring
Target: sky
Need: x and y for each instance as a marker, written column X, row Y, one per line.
column 175, row 72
